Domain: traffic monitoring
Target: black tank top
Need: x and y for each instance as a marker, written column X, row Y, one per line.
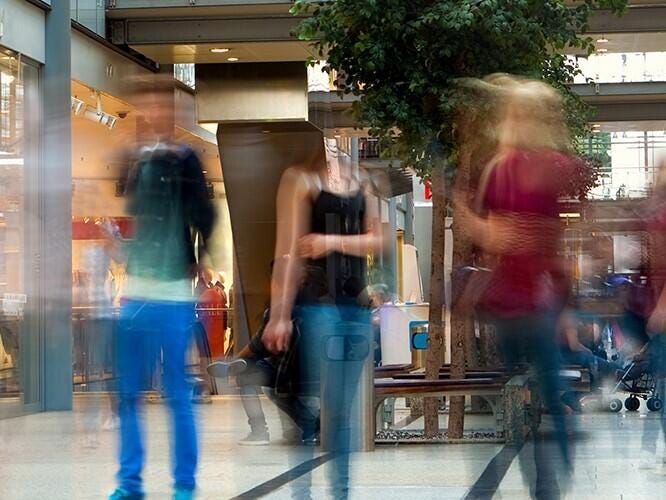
column 336, row 278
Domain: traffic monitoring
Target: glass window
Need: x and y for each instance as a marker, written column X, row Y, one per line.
column 625, row 67
column 89, row 13
column 184, row 73
column 634, row 157
column 19, row 155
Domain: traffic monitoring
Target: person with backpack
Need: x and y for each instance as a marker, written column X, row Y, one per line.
column 167, row 197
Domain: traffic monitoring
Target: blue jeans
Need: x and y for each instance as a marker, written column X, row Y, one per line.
column 262, row 374
column 334, row 343
column 534, row 337
column 147, row 328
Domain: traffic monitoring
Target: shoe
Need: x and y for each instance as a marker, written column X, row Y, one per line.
column 310, row 441
column 202, row 399
column 255, row 439
column 111, row 424
column 224, row 369
column 181, row 494
column 121, row 494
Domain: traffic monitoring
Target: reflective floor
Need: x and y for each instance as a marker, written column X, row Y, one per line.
column 68, row 456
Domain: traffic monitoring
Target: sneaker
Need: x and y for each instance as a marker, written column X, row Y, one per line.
column 181, row 494
column 202, row 399
column 255, row 439
column 121, row 494
column 111, row 424
column 224, row 369
column 310, row 441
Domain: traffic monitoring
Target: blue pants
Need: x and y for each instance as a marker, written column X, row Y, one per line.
column 534, row 337
column 147, row 328
column 334, row 343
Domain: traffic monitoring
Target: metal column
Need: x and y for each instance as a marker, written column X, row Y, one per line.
column 56, row 206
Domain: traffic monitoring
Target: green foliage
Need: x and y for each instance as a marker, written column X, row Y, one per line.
column 405, row 58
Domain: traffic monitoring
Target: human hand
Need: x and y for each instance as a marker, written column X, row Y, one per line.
column 315, row 246
column 277, row 335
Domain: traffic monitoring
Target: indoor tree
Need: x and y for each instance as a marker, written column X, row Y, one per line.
column 405, row 60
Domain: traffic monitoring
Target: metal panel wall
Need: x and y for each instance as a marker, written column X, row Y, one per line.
column 23, row 28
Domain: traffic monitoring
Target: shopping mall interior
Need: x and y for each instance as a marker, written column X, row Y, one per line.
column 247, row 105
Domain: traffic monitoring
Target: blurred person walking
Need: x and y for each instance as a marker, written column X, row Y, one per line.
column 654, row 354
column 326, row 219
column 519, row 227
column 167, row 197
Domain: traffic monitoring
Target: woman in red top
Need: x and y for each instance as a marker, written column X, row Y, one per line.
column 520, row 230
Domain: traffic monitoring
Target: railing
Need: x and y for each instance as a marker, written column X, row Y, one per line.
column 93, row 358
column 91, row 14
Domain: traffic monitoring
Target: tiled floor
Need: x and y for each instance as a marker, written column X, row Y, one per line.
column 50, row 456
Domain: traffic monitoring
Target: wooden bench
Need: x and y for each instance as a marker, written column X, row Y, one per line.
column 515, row 405
column 447, row 375
column 508, row 400
column 385, row 371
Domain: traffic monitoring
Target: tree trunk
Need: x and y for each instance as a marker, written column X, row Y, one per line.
column 490, row 357
column 462, row 347
column 437, row 299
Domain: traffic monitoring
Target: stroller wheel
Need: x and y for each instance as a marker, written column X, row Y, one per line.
column 654, row 404
column 615, row 405
column 632, row 403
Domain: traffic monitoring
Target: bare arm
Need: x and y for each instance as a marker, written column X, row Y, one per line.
column 293, row 222
column 370, row 241
column 570, row 329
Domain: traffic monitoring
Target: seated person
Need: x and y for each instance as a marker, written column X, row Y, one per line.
column 379, row 295
column 580, row 345
column 256, row 367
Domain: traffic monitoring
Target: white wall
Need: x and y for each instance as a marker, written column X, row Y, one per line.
column 23, row 27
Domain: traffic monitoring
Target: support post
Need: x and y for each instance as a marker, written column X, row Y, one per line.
column 56, row 226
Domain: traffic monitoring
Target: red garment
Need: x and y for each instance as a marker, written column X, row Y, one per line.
column 212, row 315
column 656, row 227
column 526, row 186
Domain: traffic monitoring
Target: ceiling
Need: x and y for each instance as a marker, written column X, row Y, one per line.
column 96, row 148
column 631, row 42
column 245, row 52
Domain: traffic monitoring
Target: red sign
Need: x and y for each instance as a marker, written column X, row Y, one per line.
column 89, row 228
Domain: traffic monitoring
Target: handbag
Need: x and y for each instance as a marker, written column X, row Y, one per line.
column 287, row 372
column 470, row 283
column 468, row 286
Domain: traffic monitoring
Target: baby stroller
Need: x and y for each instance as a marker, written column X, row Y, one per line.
column 638, row 380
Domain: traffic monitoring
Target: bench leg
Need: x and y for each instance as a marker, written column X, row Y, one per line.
column 495, row 403
column 514, row 414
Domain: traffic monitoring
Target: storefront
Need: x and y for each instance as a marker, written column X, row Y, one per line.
column 99, row 149
column 19, row 233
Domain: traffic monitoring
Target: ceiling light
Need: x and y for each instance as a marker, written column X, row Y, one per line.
column 603, row 39
column 100, row 117
column 602, row 51
column 77, row 105
column 219, row 50
column 232, row 59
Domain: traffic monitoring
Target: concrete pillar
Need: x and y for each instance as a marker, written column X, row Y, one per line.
column 391, row 256
column 409, row 219
column 56, row 195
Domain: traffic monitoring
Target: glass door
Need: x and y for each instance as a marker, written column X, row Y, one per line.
column 20, row 363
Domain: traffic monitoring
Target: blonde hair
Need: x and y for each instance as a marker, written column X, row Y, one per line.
column 531, row 116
